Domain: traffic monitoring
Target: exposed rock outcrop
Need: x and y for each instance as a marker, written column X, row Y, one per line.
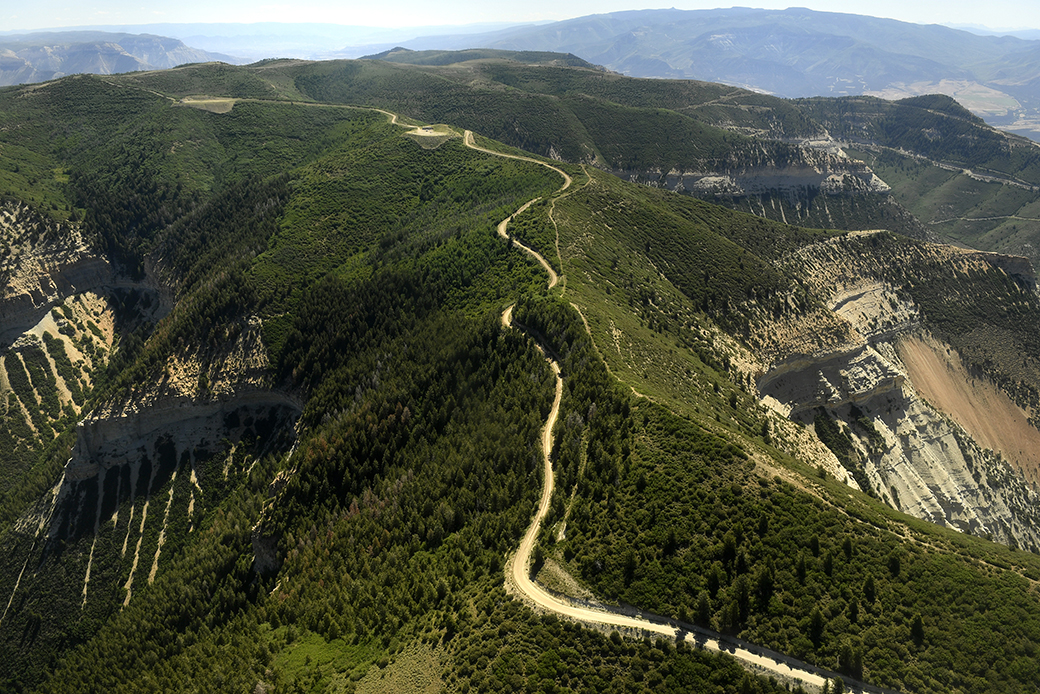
column 200, row 400
column 843, row 379
column 201, row 407
column 266, row 559
column 1016, row 266
column 917, row 457
column 829, row 173
column 40, row 275
column 111, row 441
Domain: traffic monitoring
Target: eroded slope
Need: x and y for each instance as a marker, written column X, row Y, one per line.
column 914, row 430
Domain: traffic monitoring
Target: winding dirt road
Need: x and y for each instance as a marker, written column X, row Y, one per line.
column 518, row 569
column 553, row 277
column 471, row 143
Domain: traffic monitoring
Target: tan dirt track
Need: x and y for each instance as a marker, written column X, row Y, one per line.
column 518, row 569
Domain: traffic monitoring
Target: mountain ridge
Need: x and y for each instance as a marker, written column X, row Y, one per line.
column 849, row 55
column 355, row 267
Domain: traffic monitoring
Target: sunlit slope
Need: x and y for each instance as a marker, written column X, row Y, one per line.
column 695, row 516
column 356, row 448
column 967, row 182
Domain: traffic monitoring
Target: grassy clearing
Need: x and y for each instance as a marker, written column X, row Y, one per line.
column 209, row 104
column 322, row 662
column 416, row 669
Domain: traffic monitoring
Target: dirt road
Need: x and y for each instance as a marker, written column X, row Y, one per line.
column 468, row 139
column 518, row 569
column 553, row 277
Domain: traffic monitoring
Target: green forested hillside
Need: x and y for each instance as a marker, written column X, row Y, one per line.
column 966, row 182
column 312, row 256
column 708, row 533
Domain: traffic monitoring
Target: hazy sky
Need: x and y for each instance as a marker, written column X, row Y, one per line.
column 35, row 14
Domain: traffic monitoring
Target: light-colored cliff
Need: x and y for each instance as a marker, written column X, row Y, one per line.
column 929, row 438
column 199, row 401
column 804, row 169
column 46, row 262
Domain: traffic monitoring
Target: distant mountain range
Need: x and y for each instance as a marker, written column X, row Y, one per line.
column 257, row 41
column 796, row 53
column 788, row 53
column 44, row 56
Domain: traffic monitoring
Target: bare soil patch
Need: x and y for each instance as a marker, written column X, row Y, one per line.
column 984, row 411
column 431, row 136
column 207, row 104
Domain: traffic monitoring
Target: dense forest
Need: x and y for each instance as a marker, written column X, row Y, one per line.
column 334, row 442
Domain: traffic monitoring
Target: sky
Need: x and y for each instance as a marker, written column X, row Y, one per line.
column 38, row 14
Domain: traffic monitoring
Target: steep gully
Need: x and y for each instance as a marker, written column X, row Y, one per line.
column 518, row 569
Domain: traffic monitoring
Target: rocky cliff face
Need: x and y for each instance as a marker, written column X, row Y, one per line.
column 812, row 184
column 1014, row 265
column 115, row 439
column 200, row 401
column 172, row 443
column 45, row 263
column 808, row 169
column 920, row 456
column 203, row 407
column 56, row 287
